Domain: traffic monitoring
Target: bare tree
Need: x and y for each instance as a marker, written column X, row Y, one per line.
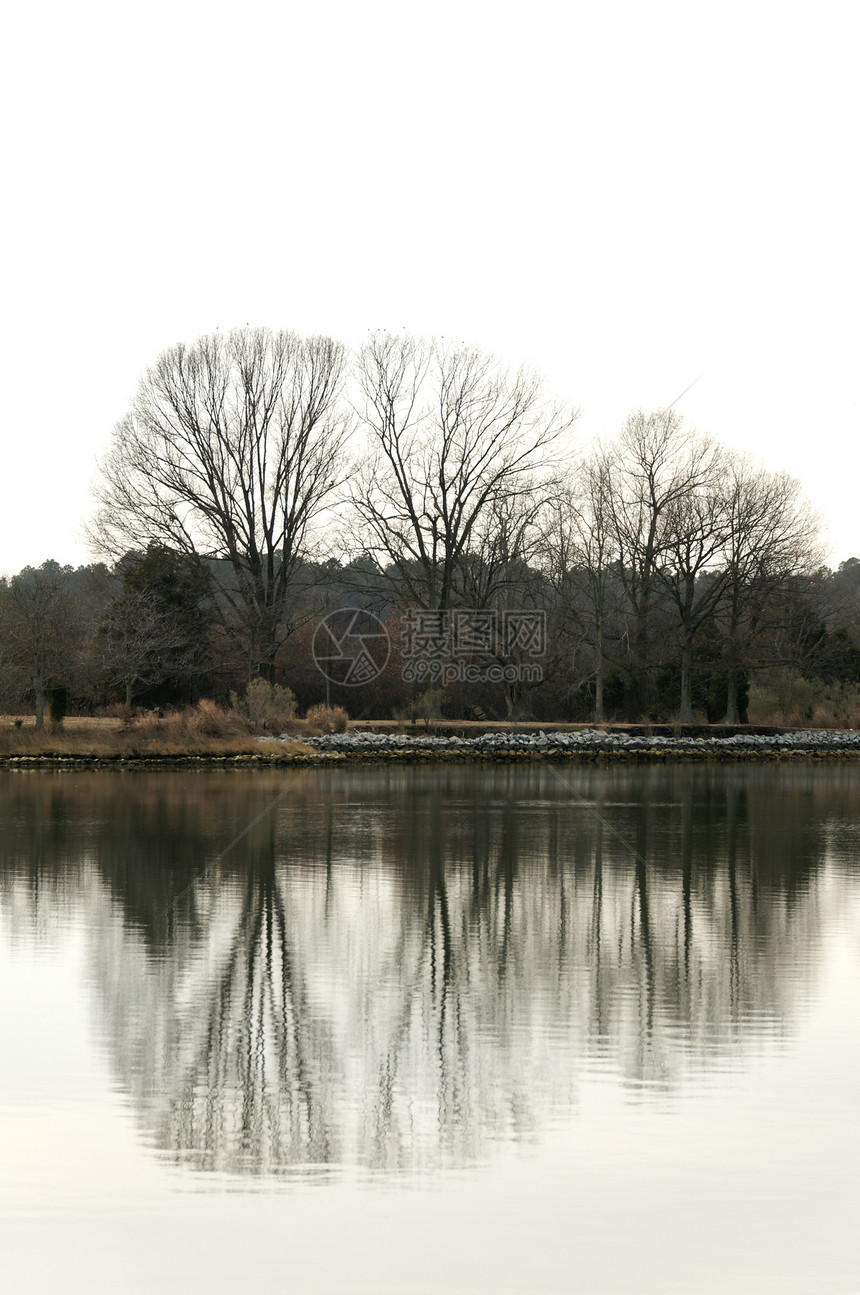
column 453, row 437
column 651, row 468
column 772, row 539
column 11, row 680
column 158, row 626
column 138, row 641
column 504, row 542
column 232, row 449
column 41, row 629
column 580, row 555
column 691, row 570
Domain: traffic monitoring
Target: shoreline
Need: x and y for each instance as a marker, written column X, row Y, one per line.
column 644, row 751
column 94, row 745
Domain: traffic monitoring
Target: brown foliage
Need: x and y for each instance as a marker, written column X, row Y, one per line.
column 327, row 719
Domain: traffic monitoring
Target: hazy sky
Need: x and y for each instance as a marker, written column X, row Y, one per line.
column 627, row 196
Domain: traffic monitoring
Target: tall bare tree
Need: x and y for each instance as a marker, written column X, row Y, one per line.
column 579, row 560
column 453, row 436
column 772, row 539
column 232, row 448
column 692, row 571
column 652, row 467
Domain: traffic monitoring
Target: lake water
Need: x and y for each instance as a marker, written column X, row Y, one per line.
column 431, row 1031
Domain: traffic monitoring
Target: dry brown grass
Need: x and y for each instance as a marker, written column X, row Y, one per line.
column 205, row 730
column 327, row 719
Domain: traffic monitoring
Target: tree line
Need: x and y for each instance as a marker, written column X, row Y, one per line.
column 260, row 479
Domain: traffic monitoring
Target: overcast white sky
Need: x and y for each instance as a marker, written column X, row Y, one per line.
column 627, row 196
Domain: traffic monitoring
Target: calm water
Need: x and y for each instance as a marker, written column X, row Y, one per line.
column 431, row 1031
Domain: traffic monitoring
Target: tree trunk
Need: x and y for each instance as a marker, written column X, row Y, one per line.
column 40, row 706
column 685, row 714
column 266, row 671
column 732, row 715
column 642, row 671
column 599, row 715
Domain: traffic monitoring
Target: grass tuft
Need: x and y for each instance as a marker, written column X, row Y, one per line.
column 327, row 719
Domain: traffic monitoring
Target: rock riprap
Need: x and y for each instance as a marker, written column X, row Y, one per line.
column 582, row 741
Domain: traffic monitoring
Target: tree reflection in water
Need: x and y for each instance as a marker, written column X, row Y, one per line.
column 396, row 969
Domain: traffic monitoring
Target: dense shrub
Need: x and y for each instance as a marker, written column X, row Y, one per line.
column 328, row 719
column 58, row 704
column 784, row 699
column 267, row 705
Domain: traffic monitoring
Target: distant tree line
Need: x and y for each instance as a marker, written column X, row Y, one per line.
column 261, row 480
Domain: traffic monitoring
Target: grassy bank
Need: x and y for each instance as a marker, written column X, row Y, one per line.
column 204, row 733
